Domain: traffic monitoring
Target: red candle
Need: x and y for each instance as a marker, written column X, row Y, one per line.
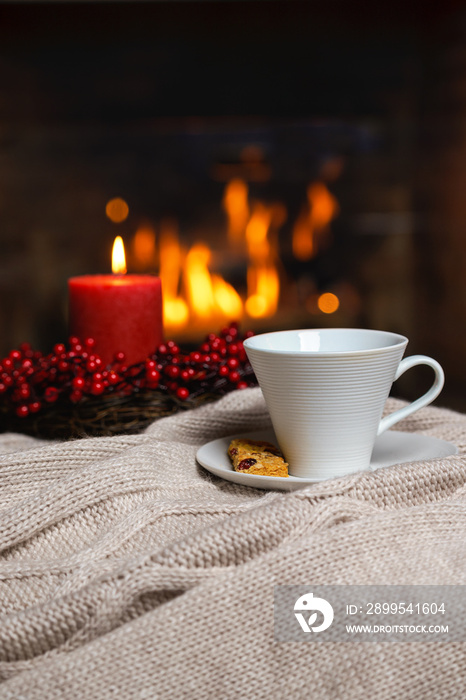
column 123, row 313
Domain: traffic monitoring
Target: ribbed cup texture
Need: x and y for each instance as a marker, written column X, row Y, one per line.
column 326, row 409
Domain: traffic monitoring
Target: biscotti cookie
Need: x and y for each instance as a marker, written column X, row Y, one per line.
column 257, row 457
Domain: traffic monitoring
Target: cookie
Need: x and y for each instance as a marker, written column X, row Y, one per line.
column 257, row 457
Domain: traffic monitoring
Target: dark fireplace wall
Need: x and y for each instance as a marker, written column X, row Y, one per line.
column 142, row 100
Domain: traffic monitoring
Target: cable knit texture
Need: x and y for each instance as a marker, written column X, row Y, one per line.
column 128, row 571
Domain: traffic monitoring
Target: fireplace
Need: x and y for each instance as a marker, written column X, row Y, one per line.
column 270, row 160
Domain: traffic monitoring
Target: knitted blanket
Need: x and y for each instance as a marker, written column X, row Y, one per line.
column 128, row 571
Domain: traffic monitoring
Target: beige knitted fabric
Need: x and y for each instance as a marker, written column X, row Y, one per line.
column 128, row 571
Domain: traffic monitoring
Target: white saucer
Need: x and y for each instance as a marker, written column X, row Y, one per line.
column 392, row 447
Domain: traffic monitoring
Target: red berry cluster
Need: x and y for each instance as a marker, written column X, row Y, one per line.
column 30, row 380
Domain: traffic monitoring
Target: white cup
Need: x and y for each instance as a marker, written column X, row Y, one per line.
column 326, row 388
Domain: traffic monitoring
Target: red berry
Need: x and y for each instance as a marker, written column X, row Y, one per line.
column 24, row 391
column 223, row 371
column 153, row 375
column 76, row 396
column 51, row 394
column 97, row 388
column 22, row 411
column 15, row 355
column 162, row 349
column 59, row 348
column 2, row 388
column 89, row 342
column 233, row 363
column 78, row 383
column 120, row 357
column 234, row 377
column 35, row 406
column 113, row 378
column 233, row 349
column 242, row 385
column 182, row 393
column 173, row 371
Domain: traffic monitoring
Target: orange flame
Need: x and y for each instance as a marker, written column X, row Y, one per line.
column 266, row 284
column 235, row 203
column 257, row 233
column 263, row 279
column 227, row 299
column 118, row 257
column 196, row 295
column 198, row 280
column 311, row 225
column 175, row 308
column 208, row 295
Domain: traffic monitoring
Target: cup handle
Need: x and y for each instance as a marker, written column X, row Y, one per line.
column 422, row 401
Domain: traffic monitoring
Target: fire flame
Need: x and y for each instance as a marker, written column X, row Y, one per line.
column 195, row 294
column 313, row 224
column 227, row 298
column 175, row 308
column 209, row 294
column 198, row 281
column 235, row 203
column 263, row 279
column 118, row 257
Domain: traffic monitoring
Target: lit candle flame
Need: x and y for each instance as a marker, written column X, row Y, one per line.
column 118, row 257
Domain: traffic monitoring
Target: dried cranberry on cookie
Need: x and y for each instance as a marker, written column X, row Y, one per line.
column 257, row 457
